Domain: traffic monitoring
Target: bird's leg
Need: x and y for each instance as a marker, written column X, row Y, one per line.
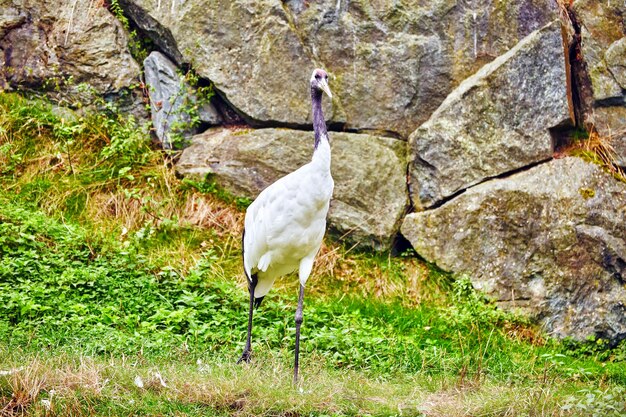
column 247, row 351
column 298, row 323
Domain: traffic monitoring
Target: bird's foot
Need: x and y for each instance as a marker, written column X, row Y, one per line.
column 245, row 356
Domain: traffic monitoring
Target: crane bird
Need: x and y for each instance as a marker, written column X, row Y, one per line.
column 284, row 226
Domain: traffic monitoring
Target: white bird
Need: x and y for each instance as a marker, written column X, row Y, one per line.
column 285, row 225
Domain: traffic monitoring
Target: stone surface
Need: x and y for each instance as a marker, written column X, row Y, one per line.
column 616, row 61
column 391, row 63
column 246, row 48
column 549, row 240
column 496, row 121
column 59, row 44
column 395, row 62
column 171, row 99
column 603, row 27
column 369, row 200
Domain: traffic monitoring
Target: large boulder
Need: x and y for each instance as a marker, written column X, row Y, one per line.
column 392, row 63
column 174, row 103
column 370, row 195
column 550, row 240
column 496, row 121
column 395, row 62
column 58, row 45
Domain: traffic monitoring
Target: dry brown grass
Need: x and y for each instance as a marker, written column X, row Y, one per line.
column 504, row 401
column 211, row 213
column 80, row 386
column 72, row 386
column 25, row 384
column 524, row 333
column 598, row 149
column 564, row 7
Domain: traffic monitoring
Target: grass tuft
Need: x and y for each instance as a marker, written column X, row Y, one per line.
column 598, row 150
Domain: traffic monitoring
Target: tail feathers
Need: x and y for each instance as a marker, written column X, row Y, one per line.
column 257, row 301
column 253, row 280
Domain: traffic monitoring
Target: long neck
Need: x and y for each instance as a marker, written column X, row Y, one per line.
column 319, row 124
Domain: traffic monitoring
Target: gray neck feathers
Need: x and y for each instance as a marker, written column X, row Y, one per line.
column 319, row 124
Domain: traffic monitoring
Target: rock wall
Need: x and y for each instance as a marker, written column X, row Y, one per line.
column 498, row 120
column 58, row 45
column 451, row 110
column 391, row 63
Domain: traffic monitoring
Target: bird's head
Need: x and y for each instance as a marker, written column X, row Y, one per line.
column 319, row 81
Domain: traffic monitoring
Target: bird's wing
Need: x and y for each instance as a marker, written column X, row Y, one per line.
column 266, row 218
column 253, row 245
column 285, row 216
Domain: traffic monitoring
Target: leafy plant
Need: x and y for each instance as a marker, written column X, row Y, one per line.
column 609, row 402
column 118, row 11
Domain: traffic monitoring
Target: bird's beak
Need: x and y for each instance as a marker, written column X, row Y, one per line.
column 324, row 87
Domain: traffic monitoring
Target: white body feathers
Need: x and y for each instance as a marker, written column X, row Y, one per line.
column 285, row 225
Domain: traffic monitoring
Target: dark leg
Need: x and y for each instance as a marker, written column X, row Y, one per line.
column 247, row 351
column 298, row 323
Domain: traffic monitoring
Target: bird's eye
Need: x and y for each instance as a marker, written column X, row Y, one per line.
column 317, row 76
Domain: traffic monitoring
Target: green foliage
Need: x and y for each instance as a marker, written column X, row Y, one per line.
column 609, row 402
column 579, row 135
column 138, row 45
column 109, row 147
column 471, row 308
column 117, row 10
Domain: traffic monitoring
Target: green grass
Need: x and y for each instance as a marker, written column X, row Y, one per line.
column 113, row 269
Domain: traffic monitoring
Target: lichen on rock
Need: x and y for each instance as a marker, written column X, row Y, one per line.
column 59, row 45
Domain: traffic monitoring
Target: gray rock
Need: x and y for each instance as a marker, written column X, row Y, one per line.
column 496, row 121
column 172, row 101
column 58, row 45
column 549, row 240
column 395, row 62
column 370, row 186
column 616, row 61
column 246, row 48
column 603, row 47
column 209, row 115
column 392, row 63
